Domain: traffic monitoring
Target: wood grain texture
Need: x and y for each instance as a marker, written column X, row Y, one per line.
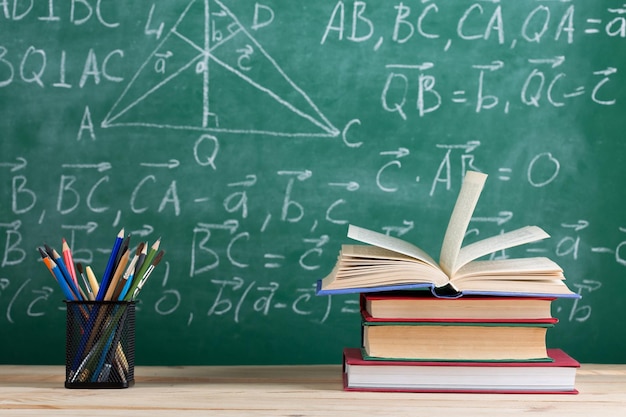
column 286, row 391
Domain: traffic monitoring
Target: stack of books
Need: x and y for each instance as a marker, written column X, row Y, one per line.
column 481, row 327
column 414, row 341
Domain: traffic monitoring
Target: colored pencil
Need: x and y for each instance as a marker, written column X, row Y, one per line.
column 144, row 267
column 100, row 351
column 69, row 261
column 121, row 266
column 154, row 263
column 58, row 260
column 95, row 287
column 123, row 248
column 58, row 275
column 124, row 283
column 108, row 272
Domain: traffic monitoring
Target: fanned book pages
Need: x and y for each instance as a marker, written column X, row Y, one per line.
column 387, row 263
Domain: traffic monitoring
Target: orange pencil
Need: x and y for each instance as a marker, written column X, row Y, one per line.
column 116, row 275
column 58, row 275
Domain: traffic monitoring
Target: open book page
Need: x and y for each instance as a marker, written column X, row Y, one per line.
column 544, row 287
column 355, row 256
column 511, row 269
column 493, row 244
column 459, row 220
column 389, row 242
column 351, row 274
column 368, row 253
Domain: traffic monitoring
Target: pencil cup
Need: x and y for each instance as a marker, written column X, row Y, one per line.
column 100, row 344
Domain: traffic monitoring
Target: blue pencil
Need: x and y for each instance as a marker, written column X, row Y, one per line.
column 125, row 288
column 56, row 272
column 108, row 272
column 58, row 260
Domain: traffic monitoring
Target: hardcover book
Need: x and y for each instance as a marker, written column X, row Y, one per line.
column 423, row 306
column 557, row 376
column 455, row 341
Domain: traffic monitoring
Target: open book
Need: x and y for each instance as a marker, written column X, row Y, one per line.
column 389, row 263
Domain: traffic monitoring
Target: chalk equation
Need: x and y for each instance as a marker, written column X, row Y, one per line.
column 210, row 248
column 252, row 133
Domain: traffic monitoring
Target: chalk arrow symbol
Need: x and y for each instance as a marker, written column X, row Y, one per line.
column 350, row 186
column 500, row 219
column 471, row 145
column 230, row 225
column 400, row 153
column 606, row 72
column 554, row 62
column 318, row 242
column 145, row 230
column 165, row 55
column 172, row 163
column 101, row 167
column 494, row 66
column 236, row 282
column 89, row 227
column 21, row 163
column 301, row 175
column 578, row 226
column 618, row 11
column 467, row 147
column 14, row 225
column 399, row 230
column 421, row 67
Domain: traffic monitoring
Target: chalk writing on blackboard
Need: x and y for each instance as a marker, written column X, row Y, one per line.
column 225, row 48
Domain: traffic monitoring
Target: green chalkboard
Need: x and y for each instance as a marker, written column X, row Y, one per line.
column 249, row 134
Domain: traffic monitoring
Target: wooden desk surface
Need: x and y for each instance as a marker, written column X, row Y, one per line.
column 286, row 391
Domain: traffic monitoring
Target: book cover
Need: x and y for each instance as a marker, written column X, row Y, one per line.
column 455, row 341
column 554, row 377
column 422, row 306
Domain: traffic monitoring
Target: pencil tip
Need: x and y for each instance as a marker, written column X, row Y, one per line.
column 79, row 266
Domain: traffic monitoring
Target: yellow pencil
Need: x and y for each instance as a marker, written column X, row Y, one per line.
column 92, row 280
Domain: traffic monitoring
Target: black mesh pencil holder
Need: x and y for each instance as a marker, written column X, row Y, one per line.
column 100, row 344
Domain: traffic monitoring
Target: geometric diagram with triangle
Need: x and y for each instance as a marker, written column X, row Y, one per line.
column 209, row 74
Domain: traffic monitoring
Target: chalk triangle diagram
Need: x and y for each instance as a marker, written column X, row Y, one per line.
column 209, row 74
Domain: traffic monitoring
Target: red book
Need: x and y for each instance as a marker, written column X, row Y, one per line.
column 407, row 306
column 555, row 377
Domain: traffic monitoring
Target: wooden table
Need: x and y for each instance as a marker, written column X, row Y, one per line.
column 286, row 391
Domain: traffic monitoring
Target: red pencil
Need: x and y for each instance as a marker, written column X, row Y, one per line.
column 69, row 261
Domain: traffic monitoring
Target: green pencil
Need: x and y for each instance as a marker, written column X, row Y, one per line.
column 144, row 267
